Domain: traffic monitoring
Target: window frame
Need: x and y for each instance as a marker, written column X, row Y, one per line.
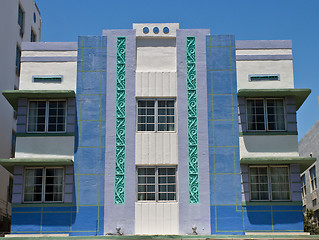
column 156, row 100
column 33, row 35
column 156, row 192
column 43, row 184
column 303, row 185
column 270, row 197
column 47, row 115
column 313, row 180
column 18, row 60
column 265, row 106
column 21, row 15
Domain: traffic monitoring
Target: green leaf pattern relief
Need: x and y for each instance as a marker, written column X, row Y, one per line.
column 192, row 120
column 119, row 190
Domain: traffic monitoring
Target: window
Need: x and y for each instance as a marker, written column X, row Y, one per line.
column 21, row 20
column 18, row 60
column 303, row 186
column 43, row 185
column 156, row 184
column 265, row 115
column 156, row 115
column 269, row 183
column 313, row 179
column 264, row 77
column 10, row 186
column 47, row 79
column 13, row 143
column 33, row 37
column 47, row 116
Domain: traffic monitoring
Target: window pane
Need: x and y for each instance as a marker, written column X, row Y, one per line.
column 275, row 114
column 255, row 115
column 280, row 183
column 36, row 116
column 57, row 110
column 53, row 184
column 167, row 184
column 146, row 118
column 259, row 183
column 165, row 112
column 33, row 185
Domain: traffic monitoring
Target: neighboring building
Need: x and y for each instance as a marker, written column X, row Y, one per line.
column 309, row 146
column 137, row 132
column 19, row 22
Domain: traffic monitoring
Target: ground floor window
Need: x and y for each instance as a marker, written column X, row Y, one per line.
column 156, row 184
column 269, row 183
column 43, row 184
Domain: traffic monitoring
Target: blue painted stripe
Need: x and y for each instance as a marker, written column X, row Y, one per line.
column 48, row 59
column 262, row 57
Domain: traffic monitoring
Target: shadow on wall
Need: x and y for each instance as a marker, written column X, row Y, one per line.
column 272, row 216
column 269, row 145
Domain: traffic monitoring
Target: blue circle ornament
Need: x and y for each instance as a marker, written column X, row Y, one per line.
column 146, row 30
column 166, row 30
column 156, row 30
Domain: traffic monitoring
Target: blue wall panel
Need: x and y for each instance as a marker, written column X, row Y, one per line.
column 224, row 168
column 85, row 215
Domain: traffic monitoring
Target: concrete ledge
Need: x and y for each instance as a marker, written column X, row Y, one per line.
column 36, row 235
column 49, row 46
column 277, row 233
column 264, row 44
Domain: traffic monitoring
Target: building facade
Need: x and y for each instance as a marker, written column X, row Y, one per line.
column 308, row 146
column 19, row 22
column 157, row 130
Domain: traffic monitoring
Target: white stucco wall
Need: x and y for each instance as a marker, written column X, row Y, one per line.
column 66, row 69
column 45, row 147
column 268, row 146
column 247, row 67
column 156, row 72
column 10, row 38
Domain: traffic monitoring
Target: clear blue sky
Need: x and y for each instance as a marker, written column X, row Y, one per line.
column 64, row 20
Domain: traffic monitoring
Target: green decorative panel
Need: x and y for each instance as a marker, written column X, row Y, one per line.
column 192, row 121
column 119, row 188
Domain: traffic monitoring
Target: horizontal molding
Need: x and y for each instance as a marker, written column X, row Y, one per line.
column 272, row 203
column 49, row 46
column 267, row 133
column 45, row 134
column 263, row 57
column 19, row 205
column 49, row 59
column 263, row 44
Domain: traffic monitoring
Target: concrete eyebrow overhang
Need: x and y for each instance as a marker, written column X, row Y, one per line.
column 300, row 94
column 304, row 162
column 34, row 162
column 13, row 95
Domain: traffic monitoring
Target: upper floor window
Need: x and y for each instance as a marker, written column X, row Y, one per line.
column 264, row 77
column 156, row 115
column 265, row 115
column 269, row 183
column 156, row 184
column 18, row 60
column 33, row 37
column 21, row 20
column 303, row 186
column 47, row 116
column 43, row 184
column 313, row 178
